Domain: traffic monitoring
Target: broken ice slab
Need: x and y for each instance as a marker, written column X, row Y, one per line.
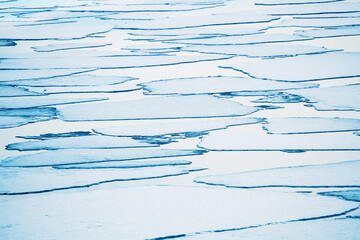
column 196, row 21
column 10, row 91
column 74, row 156
column 341, row 174
column 317, row 67
column 280, row 97
column 298, row 125
column 157, row 108
column 330, row 32
column 57, row 135
column 73, row 80
column 337, row 98
column 68, row 46
column 15, row 181
column 43, row 101
column 124, row 87
column 260, row 141
column 320, row 22
column 217, row 84
column 330, row 229
column 7, row 43
column 313, row 9
column 14, row 75
column 291, row 2
column 30, row 112
column 259, row 50
column 243, row 40
column 350, row 195
column 125, row 164
column 63, row 31
column 175, row 211
column 16, row 121
column 175, row 127
column 106, row 62
column 83, row 142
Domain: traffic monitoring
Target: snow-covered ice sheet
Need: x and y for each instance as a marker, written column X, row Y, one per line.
column 38, row 180
column 313, row 67
column 157, row 108
column 330, row 229
column 74, row 156
column 259, row 50
column 337, row 98
column 341, row 174
column 310, row 125
column 260, row 141
column 85, row 142
column 98, row 214
column 217, row 84
column 175, row 127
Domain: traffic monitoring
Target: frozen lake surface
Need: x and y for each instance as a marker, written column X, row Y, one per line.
column 179, row 119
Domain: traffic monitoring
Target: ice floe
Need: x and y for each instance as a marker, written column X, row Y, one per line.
column 259, row 141
column 330, row 32
column 45, row 136
column 17, row 121
column 337, row 98
column 341, row 174
column 259, row 50
column 217, row 84
column 30, row 112
column 330, row 229
column 176, row 127
column 310, row 125
column 74, row 156
column 99, row 213
column 68, row 46
column 10, row 91
column 82, row 142
column 320, row 22
column 350, row 195
column 291, row 2
column 157, row 108
column 38, row 180
column 318, row 67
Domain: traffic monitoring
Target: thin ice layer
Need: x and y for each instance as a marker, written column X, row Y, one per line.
column 83, row 142
column 337, row 98
column 126, row 164
column 17, row 121
column 14, row 75
column 175, row 211
column 260, row 141
column 341, row 174
column 105, row 62
column 39, row 180
column 30, row 112
column 41, row 101
column 350, row 195
column 49, row 32
column 243, row 40
column 263, row 51
column 157, row 108
column 329, row 229
column 313, row 67
column 7, row 43
column 68, row 46
column 196, row 21
column 74, row 80
column 310, row 125
column 330, row 32
column 291, row 2
column 218, row 84
column 57, row 135
column 10, row 91
column 73, row 156
column 321, row 22
column 175, row 127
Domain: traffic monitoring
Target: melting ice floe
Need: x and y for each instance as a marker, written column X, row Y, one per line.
column 157, row 108
column 310, row 125
column 83, row 142
column 318, row 67
column 342, row 174
column 217, row 84
column 170, row 208
column 74, row 156
column 175, row 127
